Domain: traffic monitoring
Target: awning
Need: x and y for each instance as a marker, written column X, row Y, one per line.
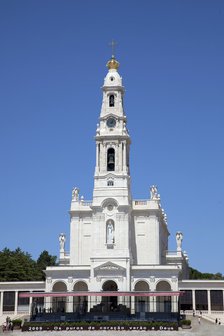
column 86, row 293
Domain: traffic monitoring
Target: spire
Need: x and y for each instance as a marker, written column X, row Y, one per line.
column 113, row 63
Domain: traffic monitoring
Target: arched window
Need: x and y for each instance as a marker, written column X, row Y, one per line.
column 110, row 183
column 110, row 159
column 111, row 100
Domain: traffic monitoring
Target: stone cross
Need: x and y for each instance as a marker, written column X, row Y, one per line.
column 113, row 44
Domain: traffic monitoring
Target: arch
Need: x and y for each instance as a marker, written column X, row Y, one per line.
column 163, row 286
column 109, row 303
column 142, row 286
column 163, row 303
column 59, row 303
column 111, row 100
column 80, row 286
column 109, row 285
column 80, row 303
column 110, row 159
column 141, row 302
column 59, row 286
column 108, row 201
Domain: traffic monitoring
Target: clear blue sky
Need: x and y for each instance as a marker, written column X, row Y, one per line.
column 52, row 65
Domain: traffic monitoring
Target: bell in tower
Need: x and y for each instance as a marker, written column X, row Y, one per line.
column 110, row 159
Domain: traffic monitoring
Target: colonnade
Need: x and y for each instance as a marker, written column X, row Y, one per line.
column 202, row 305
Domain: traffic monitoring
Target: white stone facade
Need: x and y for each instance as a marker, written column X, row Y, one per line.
column 113, row 237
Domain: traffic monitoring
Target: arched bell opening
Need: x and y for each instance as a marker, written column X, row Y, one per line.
column 110, row 159
column 80, row 303
column 111, row 100
column 109, row 303
column 59, row 303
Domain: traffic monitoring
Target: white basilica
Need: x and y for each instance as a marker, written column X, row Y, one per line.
column 116, row 243
column 119, row 259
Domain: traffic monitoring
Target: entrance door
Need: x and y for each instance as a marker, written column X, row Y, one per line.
column 109, row 303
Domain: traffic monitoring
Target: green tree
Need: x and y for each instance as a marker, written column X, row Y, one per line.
column 19, row 266
column 197, row 275
column 16, row 266
column 44, row 260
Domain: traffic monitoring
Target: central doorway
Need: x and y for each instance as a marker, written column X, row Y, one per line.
column 109, row 303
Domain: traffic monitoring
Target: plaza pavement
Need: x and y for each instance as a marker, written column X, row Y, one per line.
column 205, row 328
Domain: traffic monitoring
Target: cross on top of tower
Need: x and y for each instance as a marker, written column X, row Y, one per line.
column 113, row 44
column 113, row 63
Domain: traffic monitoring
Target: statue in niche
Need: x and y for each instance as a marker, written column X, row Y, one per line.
column 179, row 238
column 75, row 194
column 110, row 232
column 62, row 240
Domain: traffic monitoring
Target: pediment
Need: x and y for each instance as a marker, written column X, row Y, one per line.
column 109, row 266
column 109, row 269
column 108, row 115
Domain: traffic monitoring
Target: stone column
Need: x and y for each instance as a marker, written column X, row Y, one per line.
column 69, row 301
column 97, row 156
column 93, row 300
column 16, row 303
column 30, row 305
column 132, row 304
column 124, row 157
column 119, row 161
column 209, row 301
column 193, row 300
column 1, row 303
column 174, row 304
column 69, row 304
column 104, row 158
column 48, row 303
column 151, row 304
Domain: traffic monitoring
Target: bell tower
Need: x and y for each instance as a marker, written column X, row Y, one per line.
column 112, row 171
column 112, row 204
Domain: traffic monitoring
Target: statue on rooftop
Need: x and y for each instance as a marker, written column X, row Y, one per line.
column 75, row 194
column 154, row 193
column 179, row 238
column 62, row 240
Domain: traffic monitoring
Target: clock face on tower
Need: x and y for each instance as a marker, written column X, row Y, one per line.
column 111, row 122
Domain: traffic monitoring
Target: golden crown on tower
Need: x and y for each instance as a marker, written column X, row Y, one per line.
column 113, row 63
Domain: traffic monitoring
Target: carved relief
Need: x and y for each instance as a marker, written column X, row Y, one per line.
column 109, row 267
column 70, row 279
